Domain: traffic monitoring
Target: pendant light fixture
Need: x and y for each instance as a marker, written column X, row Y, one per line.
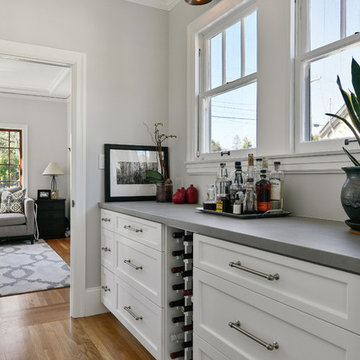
column 197, row 2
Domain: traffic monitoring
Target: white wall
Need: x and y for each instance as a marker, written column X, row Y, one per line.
column 312, row 195
column 127, row 76
column 47, row 138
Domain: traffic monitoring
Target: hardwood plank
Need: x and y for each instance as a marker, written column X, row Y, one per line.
column 62, row 248
column 37, row 326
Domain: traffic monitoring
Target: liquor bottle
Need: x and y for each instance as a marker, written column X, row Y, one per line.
column 177, row 354
column 222, row 190
column 250, row 170
column 178, row 319
column 237, row 182
column 277, row 187
column 180, row 302
column 250, row 198
column 210, row 202
column 188, row 327
column 258, row 167
column 178, row 286
column 177, row 269
column 263, row 193
column 186, row 309
column 238, row 203
column 177, row 252
column 265, row 165
column 188, row 292
column 186, row 273
column 177, row 337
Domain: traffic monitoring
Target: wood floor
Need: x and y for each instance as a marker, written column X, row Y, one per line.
column 37, row 326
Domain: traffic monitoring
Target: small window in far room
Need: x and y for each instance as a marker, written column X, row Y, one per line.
column 10, row 158
column 228, row 90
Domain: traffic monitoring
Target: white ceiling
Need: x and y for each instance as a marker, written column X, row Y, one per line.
column 159, row 4
column 31, row 78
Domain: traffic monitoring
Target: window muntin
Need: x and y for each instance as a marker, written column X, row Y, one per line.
column 325, row 51
column 10, row 158
column 229, row 100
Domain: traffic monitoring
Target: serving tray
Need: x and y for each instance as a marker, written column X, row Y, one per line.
column 267, row 214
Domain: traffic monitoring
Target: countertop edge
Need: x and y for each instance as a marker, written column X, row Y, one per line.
column 315, row 256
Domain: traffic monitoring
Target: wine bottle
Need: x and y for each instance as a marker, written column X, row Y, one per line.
column 188, row 327
column 187, row 344
column 177, row 253
column 175, row 303
column 188, row 292
column 177, row 354
column 186, row 309
column 178, row 235
column 177, row 337
column 177, row 269
column 186, row 273
column 178, row 286
column 188, row 237
column 178, row 319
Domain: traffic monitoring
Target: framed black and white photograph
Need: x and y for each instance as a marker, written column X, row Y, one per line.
column 125, row 171
column 44, row 194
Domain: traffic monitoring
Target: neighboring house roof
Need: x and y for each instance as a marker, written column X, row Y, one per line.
column 330, row 128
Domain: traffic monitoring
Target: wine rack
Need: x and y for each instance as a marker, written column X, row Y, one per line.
column 178, row 277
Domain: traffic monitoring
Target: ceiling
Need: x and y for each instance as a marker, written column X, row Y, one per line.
column 159, row 4
column 32, row 78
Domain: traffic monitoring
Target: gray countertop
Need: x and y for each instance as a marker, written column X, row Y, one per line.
column 322, row 242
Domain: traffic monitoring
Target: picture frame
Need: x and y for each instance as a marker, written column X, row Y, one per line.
column 44, row 194
column 125, row 168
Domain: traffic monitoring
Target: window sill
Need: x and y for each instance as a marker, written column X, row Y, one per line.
column 305, row 163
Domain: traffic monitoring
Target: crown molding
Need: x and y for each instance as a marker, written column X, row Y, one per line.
column 158, row 4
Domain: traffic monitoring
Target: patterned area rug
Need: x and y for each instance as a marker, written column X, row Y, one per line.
column 25, row 268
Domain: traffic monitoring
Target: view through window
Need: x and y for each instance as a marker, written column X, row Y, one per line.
column 231, row 88
column 10, row 158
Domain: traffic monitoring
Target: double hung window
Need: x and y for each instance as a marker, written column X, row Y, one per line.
column 228, row 85
column 328, row 40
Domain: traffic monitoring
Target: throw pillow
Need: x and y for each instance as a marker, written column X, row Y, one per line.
column 12, row 202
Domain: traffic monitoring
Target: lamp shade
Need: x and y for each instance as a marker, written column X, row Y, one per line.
column 53, row 169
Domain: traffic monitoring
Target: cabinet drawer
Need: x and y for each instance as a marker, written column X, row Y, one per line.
column 204, row 351
column 140, row 316
column 146, row 232
column 140, row 266
column 107, row 249
column 107, row 219
column 219, row 303
column 323, row 292
column 107, row 288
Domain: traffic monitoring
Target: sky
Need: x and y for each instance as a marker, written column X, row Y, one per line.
column 234, row 113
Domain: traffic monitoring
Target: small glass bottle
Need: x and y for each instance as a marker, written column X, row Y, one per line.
column 265, row 165
column 210, row 202
column 223, row 190
column 258, row 167
column 250, row 198
column 250, row 171
column 263, row 193
column 238, row 203
column 237, row 181
column 277, row 187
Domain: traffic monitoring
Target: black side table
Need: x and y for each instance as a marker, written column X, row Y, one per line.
column 51, row 218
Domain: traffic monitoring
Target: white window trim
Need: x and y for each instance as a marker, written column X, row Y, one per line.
column 303, row 57
column 24, row 152
column 309, row 161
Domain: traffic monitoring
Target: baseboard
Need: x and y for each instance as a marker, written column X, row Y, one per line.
column 93, row 305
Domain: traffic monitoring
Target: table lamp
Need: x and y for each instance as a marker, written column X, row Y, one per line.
column 53, row 169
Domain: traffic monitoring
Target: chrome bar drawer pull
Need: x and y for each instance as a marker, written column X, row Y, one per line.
column 128, row 262
column 128, row 309
column 238, row 265
column 236, row 325
column 129, row 227
column 105, row 248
